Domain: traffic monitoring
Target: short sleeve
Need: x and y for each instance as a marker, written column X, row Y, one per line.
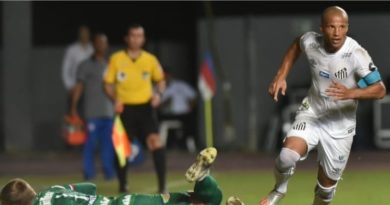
column 157, row 71
column 363, row 62
column 305, row 39
column 110, row 73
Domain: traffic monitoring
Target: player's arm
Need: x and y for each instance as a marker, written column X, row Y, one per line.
column 76, row 94
column 339, row 92
column 77, row 89
column 85, row 187
column 109, row 89
column 109, row 85
column 66, row 67
column 161, row 86
column 279, row 83
column 158, row 77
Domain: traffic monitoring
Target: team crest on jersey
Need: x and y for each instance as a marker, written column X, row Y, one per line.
column 341, row 74
column 121, row 76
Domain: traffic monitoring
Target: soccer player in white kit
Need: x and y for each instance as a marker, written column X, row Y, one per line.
column 342, row 73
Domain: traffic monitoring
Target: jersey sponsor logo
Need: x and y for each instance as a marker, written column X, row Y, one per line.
column 299, row 126
column 346, row 55
column 341, row 74
column 324, row 74
column 74, row 196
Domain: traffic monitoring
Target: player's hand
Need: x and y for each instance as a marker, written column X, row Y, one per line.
column 277, row 85
column 118, row 107
column 338, row 91
column 156, row 100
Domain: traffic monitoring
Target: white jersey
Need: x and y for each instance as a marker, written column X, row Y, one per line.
column 181, row 94
column 350, row 63
column 74, row 55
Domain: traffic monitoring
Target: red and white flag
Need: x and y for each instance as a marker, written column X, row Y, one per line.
column 206, row 83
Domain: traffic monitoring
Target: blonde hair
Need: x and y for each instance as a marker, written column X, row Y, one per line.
column 17, row 192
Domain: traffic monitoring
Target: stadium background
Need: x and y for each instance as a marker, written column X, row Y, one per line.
column 247, row 40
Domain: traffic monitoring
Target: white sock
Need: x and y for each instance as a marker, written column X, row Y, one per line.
column 284, row 168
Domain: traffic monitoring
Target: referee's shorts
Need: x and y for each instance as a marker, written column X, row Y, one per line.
column 139, row 120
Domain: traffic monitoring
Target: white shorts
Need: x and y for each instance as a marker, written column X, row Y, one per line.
column 333, row 152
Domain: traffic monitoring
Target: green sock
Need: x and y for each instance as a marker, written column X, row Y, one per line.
column 208, row 191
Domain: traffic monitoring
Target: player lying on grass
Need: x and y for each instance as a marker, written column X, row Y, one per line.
column 206, row 191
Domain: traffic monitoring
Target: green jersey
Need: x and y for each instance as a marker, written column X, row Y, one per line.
column 206, row 191
column 85, row 194
column 80, row 194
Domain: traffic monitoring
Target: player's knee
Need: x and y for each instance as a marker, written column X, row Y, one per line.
column 287, row 159
column 324, row 195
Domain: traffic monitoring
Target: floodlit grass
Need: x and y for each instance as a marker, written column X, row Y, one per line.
column 357, row 187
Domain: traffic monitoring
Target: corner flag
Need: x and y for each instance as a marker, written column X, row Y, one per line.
column 207, row 87
column 207, row 83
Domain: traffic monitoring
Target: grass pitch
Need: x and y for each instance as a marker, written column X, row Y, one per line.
column 356, row 188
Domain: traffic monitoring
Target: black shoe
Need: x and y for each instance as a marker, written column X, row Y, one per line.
column 123, row 190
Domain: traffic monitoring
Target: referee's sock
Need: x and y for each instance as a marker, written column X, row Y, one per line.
column 122, row 176
column 160, row 166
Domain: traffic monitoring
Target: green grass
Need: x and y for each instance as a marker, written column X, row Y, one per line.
column 357, row 187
